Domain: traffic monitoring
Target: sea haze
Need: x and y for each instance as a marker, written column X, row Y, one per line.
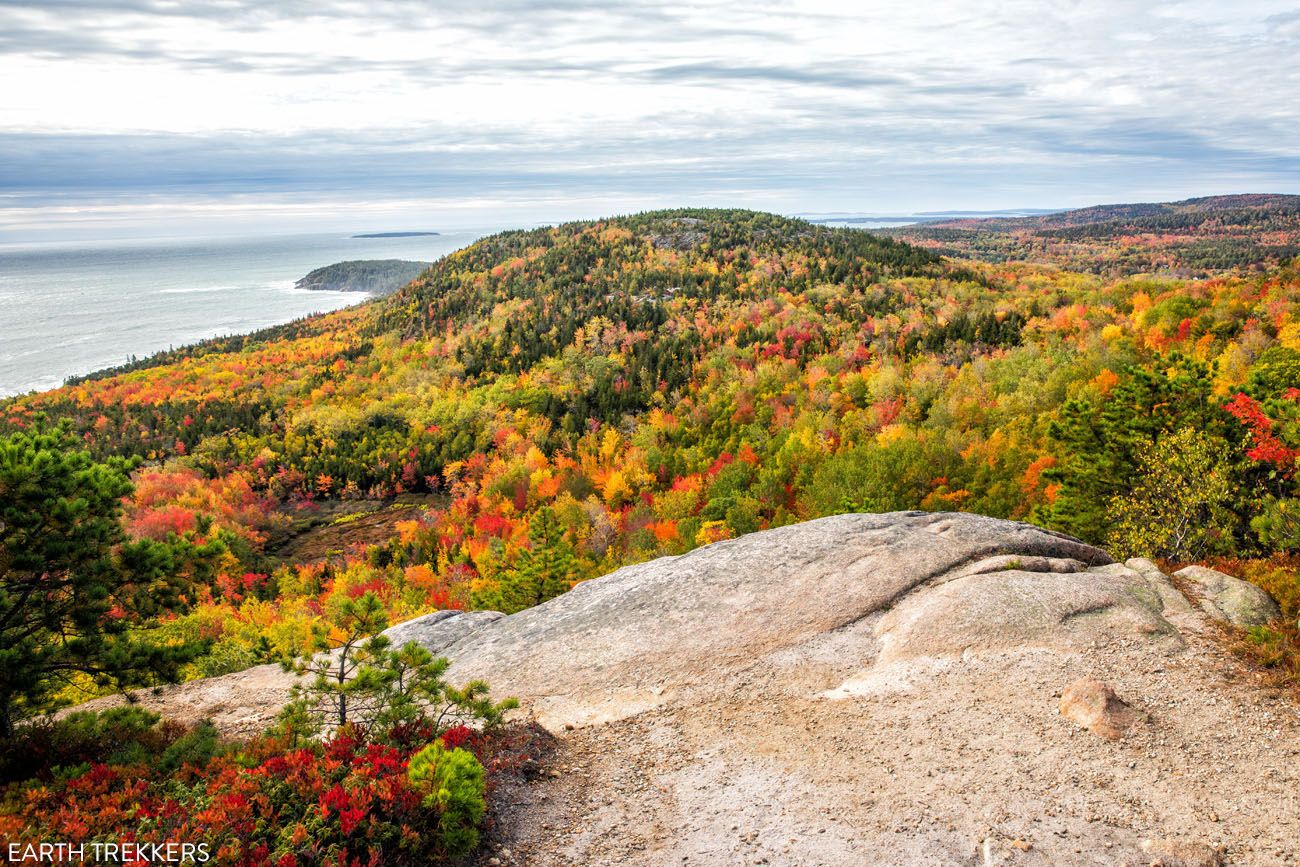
column 68, row 310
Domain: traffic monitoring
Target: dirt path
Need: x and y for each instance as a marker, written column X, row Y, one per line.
column 976, row 768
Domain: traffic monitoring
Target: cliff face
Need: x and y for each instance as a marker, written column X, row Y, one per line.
column 883, row 689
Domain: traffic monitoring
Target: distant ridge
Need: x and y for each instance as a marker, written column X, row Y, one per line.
column 1193, row 237
column 1204, row 208
column 395, row 235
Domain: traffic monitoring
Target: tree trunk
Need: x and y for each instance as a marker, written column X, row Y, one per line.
column 6, row 718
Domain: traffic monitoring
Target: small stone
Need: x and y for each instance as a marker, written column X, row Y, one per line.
column 1095, row 706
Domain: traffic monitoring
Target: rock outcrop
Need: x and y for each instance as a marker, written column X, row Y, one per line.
column 866, row 689
column 1230, row 599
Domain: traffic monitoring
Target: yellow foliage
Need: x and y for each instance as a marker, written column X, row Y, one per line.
column 609, row 444
column 712, row 531
column 1289, row 335
column 615, row 489
column 614, row 234
column 534, row 460
column 892, row 434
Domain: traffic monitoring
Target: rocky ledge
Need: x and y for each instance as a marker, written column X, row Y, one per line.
column 907, row 688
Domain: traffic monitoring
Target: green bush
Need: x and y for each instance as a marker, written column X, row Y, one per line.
column 126, row 735
column 453, row 782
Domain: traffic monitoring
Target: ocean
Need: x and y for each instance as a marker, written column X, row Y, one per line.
column 70, row 309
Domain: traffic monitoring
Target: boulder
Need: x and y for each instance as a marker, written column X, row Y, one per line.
column 1095, row 706
column 1229, row 599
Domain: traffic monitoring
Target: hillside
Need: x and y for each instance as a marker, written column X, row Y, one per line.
column 884, row 689
column 596, row 394
column 671, row 400
column 1188, row 238
column 376, row 276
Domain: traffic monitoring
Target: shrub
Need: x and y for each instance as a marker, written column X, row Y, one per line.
column 121, row 735
column 341, row 802
column 452, row 781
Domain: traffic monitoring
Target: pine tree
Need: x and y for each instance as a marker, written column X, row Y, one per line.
column 345, row 662
column 75, row 595
column 543, row 571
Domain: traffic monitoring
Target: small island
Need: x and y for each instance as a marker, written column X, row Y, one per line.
column 395, row 235
column 376, row 276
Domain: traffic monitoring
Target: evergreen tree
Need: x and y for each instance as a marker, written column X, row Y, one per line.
column 544, row 570
column 1099, row 441
column 75, row 595
column 358, row 679
column 345, row 661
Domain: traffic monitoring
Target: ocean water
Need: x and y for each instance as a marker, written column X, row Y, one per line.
column 69, row 309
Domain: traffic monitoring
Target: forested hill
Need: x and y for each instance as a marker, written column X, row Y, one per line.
column 536, row 292
column 1189, row 238
column 579, row 397
column 379, row 276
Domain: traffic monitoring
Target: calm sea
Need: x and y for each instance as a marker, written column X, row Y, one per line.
column 68, row 309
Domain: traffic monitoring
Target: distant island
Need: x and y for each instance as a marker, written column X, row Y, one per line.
column 395, row 235
column 377, row 276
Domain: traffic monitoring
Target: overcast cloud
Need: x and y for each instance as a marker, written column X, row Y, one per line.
column 139, row 115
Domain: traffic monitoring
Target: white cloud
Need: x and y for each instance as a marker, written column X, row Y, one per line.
column 823, row 103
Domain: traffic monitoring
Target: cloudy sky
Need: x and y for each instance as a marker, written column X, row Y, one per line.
column 121, row 116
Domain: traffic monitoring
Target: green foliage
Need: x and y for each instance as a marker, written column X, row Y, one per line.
column 543, row 570
column 1099, row 440
column 453, row 785
column 363, row 275
column 873, row 478
column 75, row 595
column 1278, row 524
column 1276, row 370
column 196, row 748
column 358, row 680
column 1177, row 509
column 126, row 734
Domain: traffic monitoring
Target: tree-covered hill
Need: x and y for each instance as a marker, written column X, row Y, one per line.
column 378, row 276
column 1189, row 238
column 597, row 393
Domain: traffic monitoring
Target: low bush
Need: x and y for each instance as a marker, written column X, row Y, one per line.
column 345, row 801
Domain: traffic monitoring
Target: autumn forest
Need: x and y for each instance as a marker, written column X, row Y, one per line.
column 547, row 405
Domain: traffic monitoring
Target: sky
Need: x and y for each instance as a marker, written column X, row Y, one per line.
column 160, row 117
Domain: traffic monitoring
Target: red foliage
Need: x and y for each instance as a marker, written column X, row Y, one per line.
column 254, row 808
column 1265, row 446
